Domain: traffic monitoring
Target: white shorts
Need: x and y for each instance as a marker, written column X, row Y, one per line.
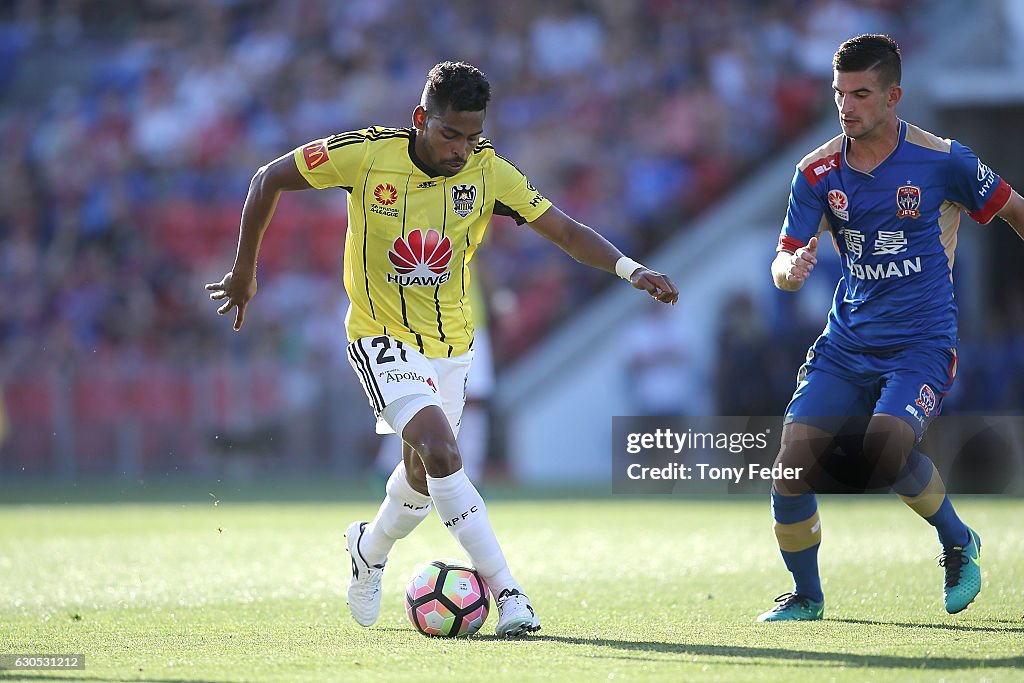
column 400, row 381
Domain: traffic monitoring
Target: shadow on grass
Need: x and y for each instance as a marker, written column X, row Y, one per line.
column 848, row 659
column 156, row 489
column 1015, row 628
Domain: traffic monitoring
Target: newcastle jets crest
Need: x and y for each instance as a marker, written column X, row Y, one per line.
column 908, row 201
column 463, row 199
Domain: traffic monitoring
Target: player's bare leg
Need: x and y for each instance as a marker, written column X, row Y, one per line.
column 464, row 514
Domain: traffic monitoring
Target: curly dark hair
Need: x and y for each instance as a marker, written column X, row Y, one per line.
column 872, row 51
column 458, row 85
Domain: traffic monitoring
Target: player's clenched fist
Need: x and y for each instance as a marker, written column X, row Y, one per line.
column 238, row 291
column 802, row 261
column 658, row 285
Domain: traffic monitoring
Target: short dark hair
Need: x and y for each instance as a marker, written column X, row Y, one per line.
column 458, row 85
column 871, row 52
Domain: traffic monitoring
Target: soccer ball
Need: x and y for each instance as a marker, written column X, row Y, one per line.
column 447, row 599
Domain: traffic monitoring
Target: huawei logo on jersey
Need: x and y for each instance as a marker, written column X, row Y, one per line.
column 386, row 194
column 421, row 259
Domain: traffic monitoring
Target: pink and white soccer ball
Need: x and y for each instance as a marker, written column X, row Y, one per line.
column 447, row 599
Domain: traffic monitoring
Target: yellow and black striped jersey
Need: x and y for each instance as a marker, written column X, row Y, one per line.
column 411, row 234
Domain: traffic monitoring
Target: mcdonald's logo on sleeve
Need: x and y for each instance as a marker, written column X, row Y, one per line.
column 315, row 153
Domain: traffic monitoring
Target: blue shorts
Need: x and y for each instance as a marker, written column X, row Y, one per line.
column 836, row 384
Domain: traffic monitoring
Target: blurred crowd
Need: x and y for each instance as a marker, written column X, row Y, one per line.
column 131, row 130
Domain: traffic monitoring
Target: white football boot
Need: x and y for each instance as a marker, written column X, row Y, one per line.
column 516, row 616
column 364, row 588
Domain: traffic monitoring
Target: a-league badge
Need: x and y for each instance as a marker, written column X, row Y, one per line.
column 839, row 203
column 463, row 199
column 908, row 201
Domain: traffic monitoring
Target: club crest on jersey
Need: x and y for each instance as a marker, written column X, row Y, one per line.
column 839, row 203
column 926, row 400
column 908, row 201
column 463, row 199
column 420, row 259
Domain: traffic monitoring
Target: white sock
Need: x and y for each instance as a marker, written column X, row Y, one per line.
column 463, row 512
column 402, row 510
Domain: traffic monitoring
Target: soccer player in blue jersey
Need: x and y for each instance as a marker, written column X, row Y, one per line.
column 890, row 194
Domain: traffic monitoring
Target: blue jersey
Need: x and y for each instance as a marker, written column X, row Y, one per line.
column 895, row 229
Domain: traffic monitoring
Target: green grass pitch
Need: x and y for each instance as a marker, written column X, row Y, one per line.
column 219, row 586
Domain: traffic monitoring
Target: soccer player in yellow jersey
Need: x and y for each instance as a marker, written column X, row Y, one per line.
column 419, row 202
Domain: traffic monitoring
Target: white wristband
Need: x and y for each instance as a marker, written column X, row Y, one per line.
column 625, row 267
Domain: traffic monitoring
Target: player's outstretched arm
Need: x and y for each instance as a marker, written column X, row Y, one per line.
column 790, row 269
column 238, row 286
column 1013, row 213
column 589, row 248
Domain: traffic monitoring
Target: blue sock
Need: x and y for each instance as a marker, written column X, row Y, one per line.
column 950, row 528
column 798, row 531
column 921, row 487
